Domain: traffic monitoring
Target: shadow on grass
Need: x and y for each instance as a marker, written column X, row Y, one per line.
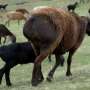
column 78, row 75
column 15, row 85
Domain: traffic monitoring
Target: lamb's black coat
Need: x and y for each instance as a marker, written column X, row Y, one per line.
column 13, row 54
column 72, row 6
column 21, row 53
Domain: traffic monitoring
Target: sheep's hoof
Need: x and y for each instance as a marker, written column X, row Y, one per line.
column 40, row 80
column 62, row 63
column 9, row 84
column 49, row 78
column 35, row 82
column 0, row 81
column 68, row 74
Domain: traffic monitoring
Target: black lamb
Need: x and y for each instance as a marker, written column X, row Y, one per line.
column 13, row 54
column 17, row 53
column 72, row 6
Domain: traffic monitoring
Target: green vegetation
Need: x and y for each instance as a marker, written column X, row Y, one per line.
column 21, row 75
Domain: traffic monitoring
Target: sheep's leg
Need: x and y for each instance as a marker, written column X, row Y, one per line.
column 40, row 78
column 0, row 40
column 59, row 61
column 7, row 22
column 69, row 60
column 18, row 22
column 37, row 69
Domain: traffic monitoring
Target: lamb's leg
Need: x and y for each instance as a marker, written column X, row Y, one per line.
column 1, row 73
column 7, row 73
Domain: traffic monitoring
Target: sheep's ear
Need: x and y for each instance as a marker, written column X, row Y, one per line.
column 88, row 27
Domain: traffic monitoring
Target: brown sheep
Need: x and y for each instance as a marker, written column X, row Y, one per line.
column 53, row 30
column 13, row 15
column 22, row 10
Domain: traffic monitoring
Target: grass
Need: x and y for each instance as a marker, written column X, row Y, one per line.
column 21, row 75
